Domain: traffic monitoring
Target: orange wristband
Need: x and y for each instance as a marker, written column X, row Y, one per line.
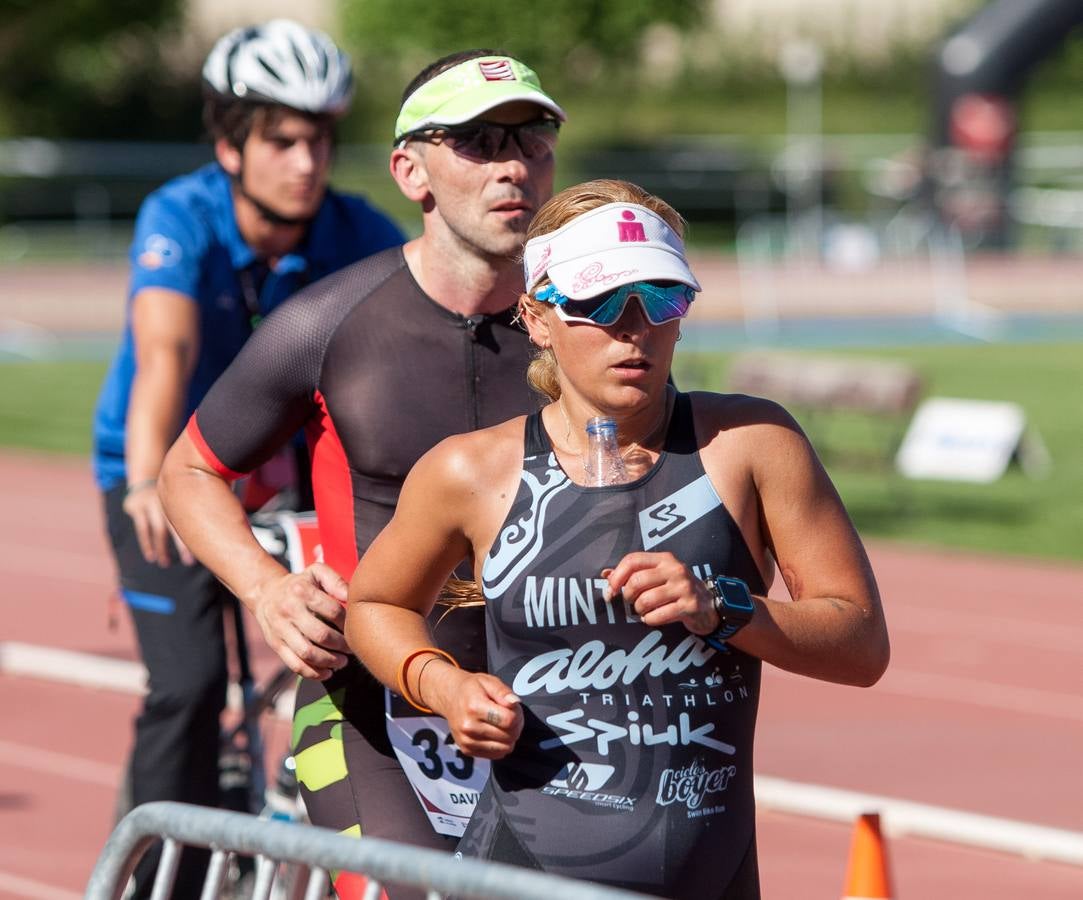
column 404, row 668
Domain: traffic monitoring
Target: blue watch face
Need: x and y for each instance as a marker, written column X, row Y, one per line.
column 734, row 594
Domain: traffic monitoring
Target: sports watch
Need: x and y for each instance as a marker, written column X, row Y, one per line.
column 734, row 606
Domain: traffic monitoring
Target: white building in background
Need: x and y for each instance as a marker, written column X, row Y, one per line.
column 866, row 28
column 209, row 19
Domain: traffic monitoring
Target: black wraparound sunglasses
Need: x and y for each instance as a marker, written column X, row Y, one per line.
column 485, row 141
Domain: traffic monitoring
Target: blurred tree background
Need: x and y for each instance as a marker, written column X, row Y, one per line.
column 591, row 51
column 684, row 96
column 635, row 71
column 121, row 69
column 95, row 69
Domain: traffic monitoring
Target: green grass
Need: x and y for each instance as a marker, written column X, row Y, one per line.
column 1016, row 515
column 47, row 406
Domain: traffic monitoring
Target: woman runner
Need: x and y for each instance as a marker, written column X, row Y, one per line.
column 626, row 623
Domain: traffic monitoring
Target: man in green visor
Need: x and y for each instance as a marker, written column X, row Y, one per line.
column 377, row 364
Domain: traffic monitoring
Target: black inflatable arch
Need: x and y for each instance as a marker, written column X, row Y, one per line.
column 980, row 71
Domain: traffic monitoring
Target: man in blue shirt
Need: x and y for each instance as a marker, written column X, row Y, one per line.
column 213, row 252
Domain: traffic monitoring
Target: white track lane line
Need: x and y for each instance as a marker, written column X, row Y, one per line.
column 64, row 765
column 1064, row 636
column 969, row 691
column 16, row 886
column 979, row 692
column 86, row 669
column 102, row 672
column 127, row 676
column 71, row 667
column 34, row 560
column 901, row 817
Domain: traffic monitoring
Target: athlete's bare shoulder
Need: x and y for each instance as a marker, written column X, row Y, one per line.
column 727, row 412
column 465, row 465
column 746, row 428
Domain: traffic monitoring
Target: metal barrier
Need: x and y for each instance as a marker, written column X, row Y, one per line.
column 320, row 850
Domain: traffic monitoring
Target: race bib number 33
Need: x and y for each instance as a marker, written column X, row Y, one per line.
column 446, row 781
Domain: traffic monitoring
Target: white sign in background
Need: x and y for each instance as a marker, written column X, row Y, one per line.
column 966, row 440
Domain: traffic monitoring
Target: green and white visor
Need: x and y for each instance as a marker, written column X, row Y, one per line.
column 469, row 89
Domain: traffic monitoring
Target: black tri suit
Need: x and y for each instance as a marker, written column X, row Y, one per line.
column 635, row 764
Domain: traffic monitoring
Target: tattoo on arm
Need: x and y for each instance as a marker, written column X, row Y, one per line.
column 836, row 603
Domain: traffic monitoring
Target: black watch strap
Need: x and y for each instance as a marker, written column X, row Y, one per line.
column 733, row 603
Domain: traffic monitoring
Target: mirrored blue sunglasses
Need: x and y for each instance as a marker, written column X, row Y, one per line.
column 661, row 302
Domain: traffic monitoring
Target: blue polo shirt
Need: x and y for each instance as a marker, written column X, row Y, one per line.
column 186, row 240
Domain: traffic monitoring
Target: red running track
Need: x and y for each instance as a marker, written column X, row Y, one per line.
column 981, row 711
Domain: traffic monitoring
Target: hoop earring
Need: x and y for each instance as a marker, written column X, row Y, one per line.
column 679, row 335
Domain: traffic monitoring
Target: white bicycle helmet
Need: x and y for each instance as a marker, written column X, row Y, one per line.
column 281, row 62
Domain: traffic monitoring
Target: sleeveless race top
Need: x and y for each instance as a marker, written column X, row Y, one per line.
column 634, row 767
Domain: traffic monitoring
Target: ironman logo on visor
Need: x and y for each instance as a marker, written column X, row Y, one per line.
column 599, row 259
column 661, row 303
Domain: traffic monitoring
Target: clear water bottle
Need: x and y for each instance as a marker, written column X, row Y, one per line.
column 602, row 462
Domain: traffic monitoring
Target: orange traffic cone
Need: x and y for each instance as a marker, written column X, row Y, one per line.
column 867, row 876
